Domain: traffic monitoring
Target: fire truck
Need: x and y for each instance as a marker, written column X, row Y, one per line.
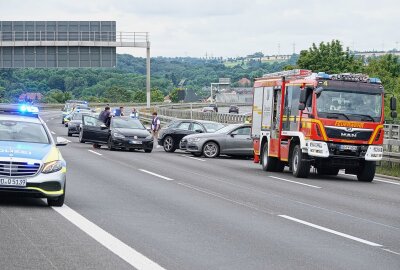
column 302, row 120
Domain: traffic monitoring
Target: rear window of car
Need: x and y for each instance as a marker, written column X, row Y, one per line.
column 126, row 123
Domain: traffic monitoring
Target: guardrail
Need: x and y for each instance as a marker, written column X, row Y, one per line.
column 392, row 143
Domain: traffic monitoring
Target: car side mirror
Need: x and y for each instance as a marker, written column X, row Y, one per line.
column 302, row 106
column 103, row 127
column 60, row 141
column 198, row 131
column 393, row 103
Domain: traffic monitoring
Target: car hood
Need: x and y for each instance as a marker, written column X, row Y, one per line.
column 132, row 132
column 26, row 150
column 205, row 135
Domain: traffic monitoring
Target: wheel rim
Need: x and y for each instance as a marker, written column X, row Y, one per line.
column 168, row 143
column 295, row 161
column 210, row 150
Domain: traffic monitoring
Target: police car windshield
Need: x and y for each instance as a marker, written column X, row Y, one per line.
column 22, row 132
column 130, row 123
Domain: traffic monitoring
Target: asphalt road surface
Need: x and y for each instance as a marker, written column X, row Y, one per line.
column 127, row 210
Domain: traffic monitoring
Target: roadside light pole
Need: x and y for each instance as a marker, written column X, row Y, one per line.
column 148, row 97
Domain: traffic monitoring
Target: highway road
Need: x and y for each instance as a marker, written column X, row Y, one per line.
column 127, row 210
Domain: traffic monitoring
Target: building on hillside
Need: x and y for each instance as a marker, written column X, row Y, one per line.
column 244, row 82
column 30, row 97
column 368, row 54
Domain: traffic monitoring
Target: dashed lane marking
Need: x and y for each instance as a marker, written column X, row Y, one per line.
column 294, row 182
column 331, row 231
column 157, row 175
column 199, row 159
column 119, row 248
column 94, row 152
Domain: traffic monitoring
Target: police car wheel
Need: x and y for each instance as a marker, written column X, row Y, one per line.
column 69, row 134
column 58, row 201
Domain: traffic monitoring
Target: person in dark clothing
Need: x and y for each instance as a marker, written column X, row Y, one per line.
column 105, row 116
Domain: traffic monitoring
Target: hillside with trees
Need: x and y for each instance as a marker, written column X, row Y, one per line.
column 127, row 82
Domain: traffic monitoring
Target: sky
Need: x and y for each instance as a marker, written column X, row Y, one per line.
column 229, row 28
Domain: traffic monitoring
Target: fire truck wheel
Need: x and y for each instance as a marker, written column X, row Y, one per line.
column 300, row 166
column 366, row 172
column 268, row 163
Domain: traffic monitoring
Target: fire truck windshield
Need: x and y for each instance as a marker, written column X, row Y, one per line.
column 346, row 105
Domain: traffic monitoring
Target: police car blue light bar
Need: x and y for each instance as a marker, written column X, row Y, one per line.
column 28, row 109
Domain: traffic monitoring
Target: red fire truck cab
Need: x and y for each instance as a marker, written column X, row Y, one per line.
column 331, row 122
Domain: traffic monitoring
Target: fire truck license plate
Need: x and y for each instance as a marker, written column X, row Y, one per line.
column 348, row 147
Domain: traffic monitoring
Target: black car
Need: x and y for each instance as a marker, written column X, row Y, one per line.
column 170, row 137
column 233, row 109
column 123, row 133
column 74, row 126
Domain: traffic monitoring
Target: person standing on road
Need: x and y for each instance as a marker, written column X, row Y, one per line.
column 105, row 116
column 134, row 114
column 155, row 128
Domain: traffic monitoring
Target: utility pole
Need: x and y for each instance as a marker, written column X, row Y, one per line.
column 148, row 97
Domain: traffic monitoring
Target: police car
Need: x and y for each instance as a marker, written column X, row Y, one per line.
column 30, row 162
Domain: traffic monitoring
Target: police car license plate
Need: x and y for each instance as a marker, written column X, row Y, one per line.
column 136, row 142
column 348, row 147
column 12, row 182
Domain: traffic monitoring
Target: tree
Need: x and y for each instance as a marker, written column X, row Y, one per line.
column 56, row 82
column 330, row 58
column 156, row 95
column 118, row 94
column 139, row 96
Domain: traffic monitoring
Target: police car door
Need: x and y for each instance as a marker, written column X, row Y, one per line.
column 94, row 130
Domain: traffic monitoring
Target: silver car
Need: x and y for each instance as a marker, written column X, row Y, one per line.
column 232, row 140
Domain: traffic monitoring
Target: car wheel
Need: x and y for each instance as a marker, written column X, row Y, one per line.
column 69, row 134
column 169, row 144
column 300, row 166
column 211, row 150
column 58, row 201
column 110, row 145
column 81, row 136
column 148, row 150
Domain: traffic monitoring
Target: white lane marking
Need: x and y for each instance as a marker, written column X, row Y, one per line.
column 388, row 182
column 331, row 231
column 119, row 248
column 157, row 175
column 375, row 179
column 294, row 182
column 199, row 159
column 94, row 152
column 391, row 251
column 52, row 132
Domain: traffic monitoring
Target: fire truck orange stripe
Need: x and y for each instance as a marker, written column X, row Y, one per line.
column 374, row 134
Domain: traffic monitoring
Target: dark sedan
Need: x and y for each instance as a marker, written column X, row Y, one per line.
column 123, row 133
column 74, row 126
column 171, row 136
